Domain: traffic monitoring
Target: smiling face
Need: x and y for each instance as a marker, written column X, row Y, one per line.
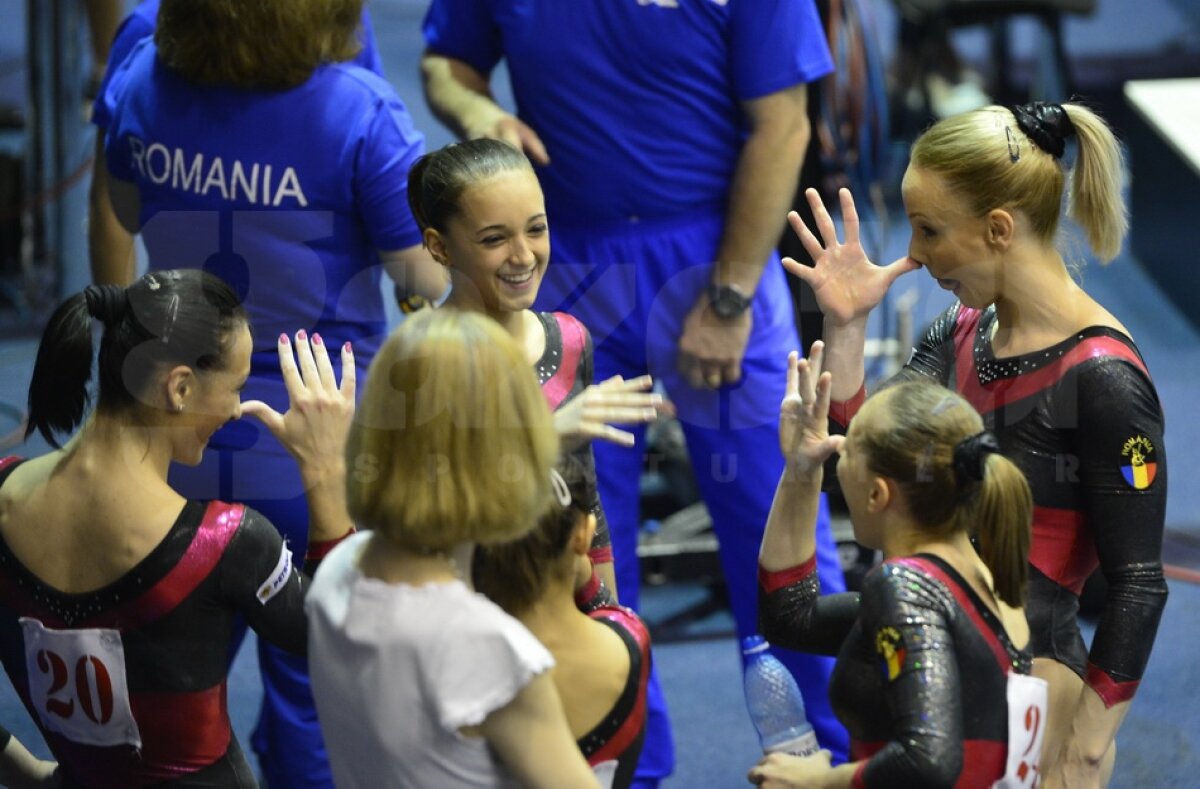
column 950, row 242
column 498, row 244
column 215, row 398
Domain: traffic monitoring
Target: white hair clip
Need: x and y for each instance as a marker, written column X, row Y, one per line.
column 561, row 491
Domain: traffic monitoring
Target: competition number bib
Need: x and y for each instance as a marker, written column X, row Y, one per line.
column 605, row 773
column 1027, row 701
column 77, row 684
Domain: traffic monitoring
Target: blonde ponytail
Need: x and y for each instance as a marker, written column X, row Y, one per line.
column 1096, row 198
column 1003, row 516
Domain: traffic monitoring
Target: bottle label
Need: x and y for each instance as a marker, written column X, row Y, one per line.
column 804, row 745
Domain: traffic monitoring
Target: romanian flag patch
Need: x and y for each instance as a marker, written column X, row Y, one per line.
column 1139, row 467
column 890, row 647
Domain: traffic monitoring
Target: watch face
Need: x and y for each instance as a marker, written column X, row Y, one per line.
column 727, row 301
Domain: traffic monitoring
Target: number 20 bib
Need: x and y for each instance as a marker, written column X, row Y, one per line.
column 77, row 684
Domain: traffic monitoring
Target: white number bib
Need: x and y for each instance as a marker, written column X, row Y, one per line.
column 1027, row 702
column 77, row 684
column 605, row 773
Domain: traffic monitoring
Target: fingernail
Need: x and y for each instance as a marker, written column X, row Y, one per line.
column 283, row 339
column 317, row 339
column 348, row 348
column 301, row 336
column 656, row 399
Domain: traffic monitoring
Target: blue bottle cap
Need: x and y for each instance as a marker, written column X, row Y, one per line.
column 752, row 645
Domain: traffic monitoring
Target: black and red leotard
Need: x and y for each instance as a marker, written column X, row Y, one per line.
column 128, row 683
column 922, row 673
column 565, row 370
column 1083, row 421
column 621, row 734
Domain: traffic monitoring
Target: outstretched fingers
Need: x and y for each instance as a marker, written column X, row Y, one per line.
column 287, row 366
column 325, row 375
column 816, row 358
column 349, row 372
column 792, row 389
column 822, row 217
column 807, row 382
column 849, row 215
column 308, row 365
column 618, row 384
column 821, row 401
column 811, row 244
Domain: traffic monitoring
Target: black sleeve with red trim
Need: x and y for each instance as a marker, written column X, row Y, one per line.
column 1125, row 503
column 792, row 613
column 932, row 358
column 905, row 615
column 601, row 550
column 260, row 582
column 594, row 595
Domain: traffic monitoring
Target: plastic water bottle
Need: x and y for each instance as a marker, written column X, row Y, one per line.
column 775, row 703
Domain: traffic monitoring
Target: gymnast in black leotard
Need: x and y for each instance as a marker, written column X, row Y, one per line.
column 1083, row 422
column 932, row 679
column 602, row 649
column 117, row 595
column 1055, row 375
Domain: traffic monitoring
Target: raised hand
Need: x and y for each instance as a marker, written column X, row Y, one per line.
column 592, row 413
column 317, row 422
column 804, row 413
column 846, row 283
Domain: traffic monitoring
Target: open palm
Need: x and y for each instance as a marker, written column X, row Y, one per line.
column 804, row 413
column 845, row 281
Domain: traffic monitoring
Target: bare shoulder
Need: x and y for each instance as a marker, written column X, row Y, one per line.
column 1093, row 313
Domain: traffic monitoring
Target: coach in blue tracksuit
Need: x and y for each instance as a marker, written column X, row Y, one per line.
column 669, row 135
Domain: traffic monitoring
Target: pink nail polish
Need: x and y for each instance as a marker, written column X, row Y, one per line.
column 348, row 348
column 301, row 336
column 317, row 339
column 283, row 338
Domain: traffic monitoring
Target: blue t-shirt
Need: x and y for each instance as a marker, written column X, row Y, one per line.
column 144, row 18
column 638, row 101
column 286, row 194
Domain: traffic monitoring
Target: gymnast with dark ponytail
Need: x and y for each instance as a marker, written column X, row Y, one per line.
column 117, row 595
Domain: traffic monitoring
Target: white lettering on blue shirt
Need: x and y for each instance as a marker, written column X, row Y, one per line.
column 159, row 164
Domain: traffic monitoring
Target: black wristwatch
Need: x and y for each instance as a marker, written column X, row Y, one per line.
column 727, row 301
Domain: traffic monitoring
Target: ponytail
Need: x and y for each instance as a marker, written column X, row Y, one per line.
column 1096, row 198
column 989, row 160
column 953, row 476
column 185, row 316
column 58, row 391
column 1003, row 516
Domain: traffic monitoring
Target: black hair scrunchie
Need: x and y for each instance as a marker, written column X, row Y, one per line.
column 106, row 303
column 1048, row 125
column 970, row 456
